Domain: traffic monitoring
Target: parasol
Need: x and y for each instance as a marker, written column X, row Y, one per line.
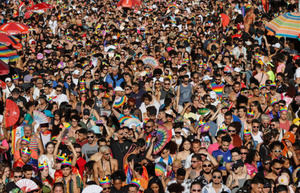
column 163, row 136
column 92, row 189
column 12, row 113
column 132, row 122
column 13, row 28
column 286, row 25
column 150, row 60
column 40, row 7
column 129, row 3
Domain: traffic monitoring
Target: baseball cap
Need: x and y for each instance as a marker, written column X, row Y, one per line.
column 118, row 88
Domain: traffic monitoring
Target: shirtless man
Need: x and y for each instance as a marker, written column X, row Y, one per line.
column 249, row 19
column 195, row 169
column 106, row 164
column 236, row 88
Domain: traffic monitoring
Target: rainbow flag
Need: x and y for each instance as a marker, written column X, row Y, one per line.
column 123, row 119
column 218, row 88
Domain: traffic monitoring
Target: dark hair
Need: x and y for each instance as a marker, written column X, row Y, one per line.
column 17, row 169
column 26, row 168
column 119, row 174
column 276, row 144
column 226, row 138
column 250, row 156
column 181, row 172
column 49, row 143
column 58, row 184
column 181, row 145
column 281, row 188
column 156, row 180
column 175, row 187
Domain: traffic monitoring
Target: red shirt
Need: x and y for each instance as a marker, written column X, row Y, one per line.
column 18, row 163
column 80, row 163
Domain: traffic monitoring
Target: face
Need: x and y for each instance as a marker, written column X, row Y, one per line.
column 276, row 168
column 207, row 166
column 235, row 156
column 58, row 189
column 217, row 178
column 257, row 188
column 195, row 163
column 155, row 187
column 50, row 149
column 227, row 120
column 165, row 153
column 186, row 145
column 277, row 151
column 106, row 188
column 117, row 184
column 132, row 190
column 244, row 153
column 283, row 115
column 149, row 127
column 196, row 188
column 91, row 138
column 28, row 174
column 255, row 127
column 17, row 176
column 106, row 155
column 225, row 146
column 45, row 172
column 196, row 147
column 66, row 171
column 27, row 131
column 7, row 172
column 231, row 130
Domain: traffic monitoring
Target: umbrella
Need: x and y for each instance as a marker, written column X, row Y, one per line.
column 12, row 113
column 4, row 68
column 40, row 7
column 163, row 136
column 8, row 55
column 129, row 3
column 10, row 40
column 14, row 28
column 286, row 25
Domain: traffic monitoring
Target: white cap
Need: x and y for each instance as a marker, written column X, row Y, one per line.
column 277, row 45
column 8, row 79
column 76, row 72
column 118, row 88
column 206, row 77
column 213, row 94
column 237, row 69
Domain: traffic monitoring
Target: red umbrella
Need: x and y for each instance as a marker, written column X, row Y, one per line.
column 10, row 40
column 14, row 28
column 129, row 3
column 40, row 7
column 12, row 113
column 4, row 68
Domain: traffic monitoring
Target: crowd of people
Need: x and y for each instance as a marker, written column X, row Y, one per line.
column 211, row 95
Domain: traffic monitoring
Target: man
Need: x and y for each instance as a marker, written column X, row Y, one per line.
column 218, row 85
column 276, row 126
column 105, row 185
column 196, row 145
column 215, row 146
column 60, row 96
column 91, row 147
column 115, row 78
column 132, row 188
column 195, row 187
column 166, row 91
column 118, row 179
column 25, row 159
column 223, row 154
column 72, row 182
column 17, row 175
column 244, row 152
column 106, row 166
column 8, row 89
column 235, row 92
column 257, row 185
column 27, row 171
column 37, row 88
column 196, row 167
column 120, row 146
column 81, row 136
column 255, row 132
column 80, row 162
column 216, row 185
column 180, row 179
column 276, row 166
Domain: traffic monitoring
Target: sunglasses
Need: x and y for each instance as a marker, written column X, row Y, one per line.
column 196, row 190
column 216, row 177
column 231, row 131
column 267, row 163
column 90, row 137
column 277, row 168
column 18, row 176
column 277, row 151
column 194, row 161
column 207, row 166
column 108, row 188
column 245, row 153
column 255, row 126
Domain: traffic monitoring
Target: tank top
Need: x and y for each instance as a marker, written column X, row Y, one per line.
column 33, row 146
column 185, row 94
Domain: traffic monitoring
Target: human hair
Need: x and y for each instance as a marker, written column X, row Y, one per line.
column 157, row 181
column 181, row 172
column 276, row 144
column 250, row 156
column 216, row 171
column 197, row 156
column 49, row 143
column 59, row 184
column 175, row 187
column 195, row 182
column 235, row 149
column 281, row 188
column 26, row 168
column 119, row 174
column 265, row 117
column 226, row 138
column 104, row 148
column 17, row 169
column 181, row 148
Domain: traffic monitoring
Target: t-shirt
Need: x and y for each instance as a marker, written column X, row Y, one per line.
column 119, row 150
column 28, row 118
column 89, row 150
column 225, row 158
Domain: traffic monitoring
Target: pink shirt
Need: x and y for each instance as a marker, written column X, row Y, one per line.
column 215, row 146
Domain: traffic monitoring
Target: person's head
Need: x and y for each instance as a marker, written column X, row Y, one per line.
column 105, row 151
column 43, row 169
column 132, row 188
column 195, row 187
column 165, row 152
column 276, row 166
column 155, row 185
column 91, row 137
column 237, row 167
column 207, row 166
column 216, row 177
column 147, row 98
column 252, row 156
column 196, row 145
column 27, row 130
column 81, row 134
column 281, row 189
column 185, row 145
column 257, row 185
column 25, row 155
column 66, row 169
column 175, row 188
column 276, row 148
column 244, row 152
column 255, row 125
column 58, row 187
column 180, row 175
column 220, row 134
column 196, row 161
column 49, row 148
column 27, row 171
column 225, row 143
column 235, row 154
column 228, row 117
column 265, row 120
column 18, row 174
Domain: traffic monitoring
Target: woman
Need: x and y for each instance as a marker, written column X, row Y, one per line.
column 68, row 82
column 238, row 177
column 251, row 162
column 184, row 151
column 155, row 185
column 88, row 172
column 256, row 109
column 284, row 123
column 48, row 157
column 148, row 101
column 44, row 176
column 4, row 175
column 28, row 119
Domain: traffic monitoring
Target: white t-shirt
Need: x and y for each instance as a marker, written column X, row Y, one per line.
column 257, row 137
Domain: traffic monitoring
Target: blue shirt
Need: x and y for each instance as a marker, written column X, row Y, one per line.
column 225, row 158
column 110, row 80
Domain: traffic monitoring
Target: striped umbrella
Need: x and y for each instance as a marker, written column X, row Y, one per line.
column 13, row 28
column 286, row 25
column 8, row 55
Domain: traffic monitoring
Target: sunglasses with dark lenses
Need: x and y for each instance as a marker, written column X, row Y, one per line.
column 18, row 176
column 108, row 188
column 244, row 153
column 196, row 190
column 217, row 177
column 90, row 137
column 231, row 131
column 277, row 168
column 207, row 166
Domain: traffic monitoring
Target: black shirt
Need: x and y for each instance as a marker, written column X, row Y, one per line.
column 119, row 150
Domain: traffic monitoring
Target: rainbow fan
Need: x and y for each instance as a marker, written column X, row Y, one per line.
column 160, row 169
column 39, row 117
column 123, row 119
column 132, row 122
column 163, row 136
column 120, row 102
column 150, row 60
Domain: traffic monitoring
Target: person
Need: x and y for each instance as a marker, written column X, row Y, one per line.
column 105, row 185
column 17, row 175
column 71, row 182
column 91, row 147
column 236, row 180
column 256, row 185
column 195, row 187
column 223, row 155
column 216, row 185
column 58, row 187
column 196, row 167
column 180, row 179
